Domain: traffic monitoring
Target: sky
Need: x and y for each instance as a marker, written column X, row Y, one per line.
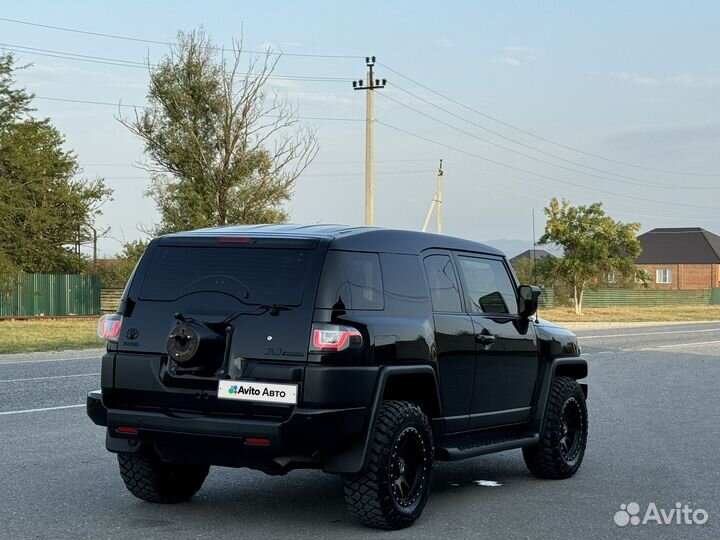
column 615, row 101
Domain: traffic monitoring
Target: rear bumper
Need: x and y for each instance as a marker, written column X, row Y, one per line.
column 95, row 408
column 303, row 440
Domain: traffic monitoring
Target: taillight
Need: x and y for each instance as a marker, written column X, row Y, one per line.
column 109, row 327
column 333, row 337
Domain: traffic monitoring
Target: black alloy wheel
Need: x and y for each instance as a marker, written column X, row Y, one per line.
column 408, row 466
column 571, row 429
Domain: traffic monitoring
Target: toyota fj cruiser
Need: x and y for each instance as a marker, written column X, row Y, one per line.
column 364, row 352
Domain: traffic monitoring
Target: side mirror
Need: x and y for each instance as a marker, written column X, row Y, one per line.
column 528, row 300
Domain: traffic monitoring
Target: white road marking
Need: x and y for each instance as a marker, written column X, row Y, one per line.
column 52, row 377
column 50, row 360
column 652, row 333
column 41, row 410
column 676, row 345
column 488, row 483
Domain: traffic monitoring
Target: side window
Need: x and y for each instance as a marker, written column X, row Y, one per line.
column 444, row 289
column 663, row 275
column 404, row 283
column 489, row 287
column 351, row 280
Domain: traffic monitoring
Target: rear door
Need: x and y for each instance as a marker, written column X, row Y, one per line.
column 261, row 289
column 214, row 280
column 506, row 361
column 454, row 340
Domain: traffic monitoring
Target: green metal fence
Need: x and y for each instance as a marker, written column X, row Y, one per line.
column 31, row 295
column 547, row 299
column 715, row 296
column 644, row 297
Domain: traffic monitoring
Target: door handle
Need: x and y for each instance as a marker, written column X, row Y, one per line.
column 485, row 339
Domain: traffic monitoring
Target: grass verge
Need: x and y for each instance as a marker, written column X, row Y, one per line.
column 634, row 314
column 48, row 335
column 60, row 334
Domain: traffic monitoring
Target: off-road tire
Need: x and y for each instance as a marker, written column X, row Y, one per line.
column 153, row 480
column 371, row 495
column 547, row 459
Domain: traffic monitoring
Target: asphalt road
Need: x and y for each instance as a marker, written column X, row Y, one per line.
column 654, row 438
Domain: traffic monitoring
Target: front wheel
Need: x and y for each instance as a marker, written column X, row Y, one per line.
column 561, row 448
column 153, row 480
column 392, row 491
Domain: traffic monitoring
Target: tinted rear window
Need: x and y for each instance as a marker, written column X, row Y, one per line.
column 254, row 275
column 350, row 280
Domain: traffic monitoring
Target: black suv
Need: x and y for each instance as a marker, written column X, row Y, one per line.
column 364, row 352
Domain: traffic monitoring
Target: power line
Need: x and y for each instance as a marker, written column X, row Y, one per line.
column 428, row 172
column 630, row 180
column 71, row 56
column 545, row 139
column 540, row 175
column 358, row 162
column 495, row 186
column 20, row 49
column 167, row 43
column 110, row 104
column 89, row 102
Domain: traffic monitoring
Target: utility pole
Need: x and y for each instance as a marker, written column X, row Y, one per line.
column 436, row 203
column 94, row 230
column 534, row 263
column 372, row 84
column 439, row 198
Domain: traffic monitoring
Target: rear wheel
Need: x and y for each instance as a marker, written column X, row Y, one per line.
column 152, row 480
column 391, row 493
column 561, row 448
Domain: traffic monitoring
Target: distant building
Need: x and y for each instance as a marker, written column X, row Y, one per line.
column 680, row 258
column 532, row 254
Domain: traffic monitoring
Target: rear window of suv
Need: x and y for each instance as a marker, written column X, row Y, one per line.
column 253, row 275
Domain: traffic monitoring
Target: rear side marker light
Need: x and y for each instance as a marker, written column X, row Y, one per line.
column 126, row 430
column 257, row 441
column 331, row 337
column 108, row 328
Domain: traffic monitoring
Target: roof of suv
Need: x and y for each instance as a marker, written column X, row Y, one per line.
column 350, row 238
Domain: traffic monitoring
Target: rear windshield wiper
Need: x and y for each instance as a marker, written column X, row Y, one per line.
column 213, row 280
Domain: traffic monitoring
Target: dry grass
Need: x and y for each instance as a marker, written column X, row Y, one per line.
column 59, row 334
column 634, row 314
column 48, row 335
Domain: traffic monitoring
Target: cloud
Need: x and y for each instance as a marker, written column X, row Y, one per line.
column 444, row 43
column 688, row 147
column 637, row 78
column 680, row 80
column 516, row 56
column 701, row 134
column 300, row 92
column 279, row 46
column 53, row 75
column 686, row 80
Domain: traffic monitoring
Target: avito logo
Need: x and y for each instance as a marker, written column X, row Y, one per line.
column 681, row 514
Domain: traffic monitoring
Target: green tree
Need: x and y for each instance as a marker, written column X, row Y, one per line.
column 114, row 273
column 221, row 151
column 44, row 207
column 538, row 272
column 593, row 244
